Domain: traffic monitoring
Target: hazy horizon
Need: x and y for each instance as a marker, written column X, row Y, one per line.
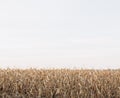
column 60, row 34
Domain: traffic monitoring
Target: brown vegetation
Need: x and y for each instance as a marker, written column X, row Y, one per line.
column 62, row 83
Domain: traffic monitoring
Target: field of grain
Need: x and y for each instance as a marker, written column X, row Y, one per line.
column 33, row 83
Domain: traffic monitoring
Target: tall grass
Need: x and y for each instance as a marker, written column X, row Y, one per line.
column 33, row 83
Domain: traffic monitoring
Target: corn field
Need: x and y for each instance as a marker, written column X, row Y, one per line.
column 59, row 83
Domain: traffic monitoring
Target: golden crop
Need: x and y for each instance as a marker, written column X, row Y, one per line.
column 63, row 83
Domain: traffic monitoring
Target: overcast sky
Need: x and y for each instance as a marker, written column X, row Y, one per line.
column 60, row 33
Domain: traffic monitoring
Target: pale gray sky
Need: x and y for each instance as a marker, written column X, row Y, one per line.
column 60, row 33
